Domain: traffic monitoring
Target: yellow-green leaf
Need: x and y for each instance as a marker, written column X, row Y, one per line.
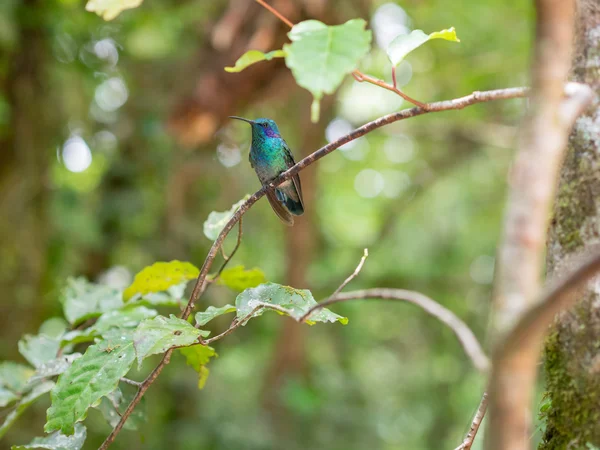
column 159, row 277
column 197, row 357
column 405, row 43
column 252, row 57
column 109, row 9
column 238, row 278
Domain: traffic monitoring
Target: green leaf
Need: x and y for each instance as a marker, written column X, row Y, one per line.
column 58, row 441
column 94, row 375
column 54, row 327
column 197, row 357
column 405, row 43
column 320, row 56
column 252, row 57
column 54, row 367
column 15, row 376
column 25, row 402
column 120, row 400
column 121, row 318
column 159, row 277
column 7, row 397
column 83, row 300
column 202, row 318
column 157, row 335
column 297, row 301
column 173, row 296
column 38, row 349
column 217, row 220
column 238, row 279
column 109, row 9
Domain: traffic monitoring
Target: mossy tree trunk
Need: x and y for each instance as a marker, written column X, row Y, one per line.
column 572, row 351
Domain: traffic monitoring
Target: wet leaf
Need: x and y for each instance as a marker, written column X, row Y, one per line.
column 58, row 441
column 202, row 318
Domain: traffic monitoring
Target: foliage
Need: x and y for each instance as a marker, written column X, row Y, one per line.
column 406, row 43
column 58, row 441
column 238, row 278
column 159, row 277
column 202, row 318
column 109, row 9
column 296, row 301
column 252, row 57
column 158, row 335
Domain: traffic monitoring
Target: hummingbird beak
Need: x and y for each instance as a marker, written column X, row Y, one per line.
column 241, row 118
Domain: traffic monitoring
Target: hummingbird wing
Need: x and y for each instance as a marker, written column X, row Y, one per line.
column 289, row 161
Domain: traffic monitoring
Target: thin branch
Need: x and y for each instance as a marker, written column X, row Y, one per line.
column 201, row 281
column 233, row 326
column 131, row 382
column 464, row 334
column 228, row 258
column 352, row 276
column 360, row 77
column 280, row 16
column 475, row 424
column 281, row 309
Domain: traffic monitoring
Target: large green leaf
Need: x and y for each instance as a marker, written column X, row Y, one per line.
column 14, row 377
column 217, row 220
column 118, row 319
column 83, row 300
column 109, row 9
column 120, row 400
column 159, row 277
column 54, row 367
column 87, row 380
column 38, row 349
column 320, row 56
column 202, row 318
column 197, row 357
column 406, row 43
column 157, row 335
column 296, row 301
column 238, row 278
column 7, row 397
column 25, row 402
column 252, row 57
column 58, row 441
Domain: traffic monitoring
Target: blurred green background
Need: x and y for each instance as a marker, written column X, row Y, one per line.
column 115, row 146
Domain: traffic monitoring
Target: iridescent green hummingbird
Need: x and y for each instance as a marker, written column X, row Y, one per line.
column 269, row 157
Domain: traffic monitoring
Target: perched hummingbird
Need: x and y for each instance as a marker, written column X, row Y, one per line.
column 269, row 157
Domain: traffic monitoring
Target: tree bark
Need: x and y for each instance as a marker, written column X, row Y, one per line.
column 572, row 359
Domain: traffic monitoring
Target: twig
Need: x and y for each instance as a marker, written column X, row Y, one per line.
column 353, row 275
column 281, row 309
column 280, row 16
column 357, row 74
column 464, row 334
column 201, row 282
column 136, row 399
column 228, row 258
column 475, row 424
column 233, row 326
column 131, row 382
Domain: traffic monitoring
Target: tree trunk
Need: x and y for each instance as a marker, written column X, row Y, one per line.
column 572, row 359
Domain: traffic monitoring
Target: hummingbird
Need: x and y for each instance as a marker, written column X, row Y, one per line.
column 269, row 157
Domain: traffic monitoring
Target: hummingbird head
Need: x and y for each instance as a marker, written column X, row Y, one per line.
column 261, row 128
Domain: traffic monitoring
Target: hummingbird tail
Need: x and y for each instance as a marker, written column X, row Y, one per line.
column 288, row 195
column 279, row 209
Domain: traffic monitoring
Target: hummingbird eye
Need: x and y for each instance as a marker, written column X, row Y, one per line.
column 264, row 125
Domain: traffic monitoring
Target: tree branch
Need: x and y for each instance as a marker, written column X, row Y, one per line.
column 475, row 424
column 201, row 281
column 532, row 186
column 228, row 258
column 464, row 334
